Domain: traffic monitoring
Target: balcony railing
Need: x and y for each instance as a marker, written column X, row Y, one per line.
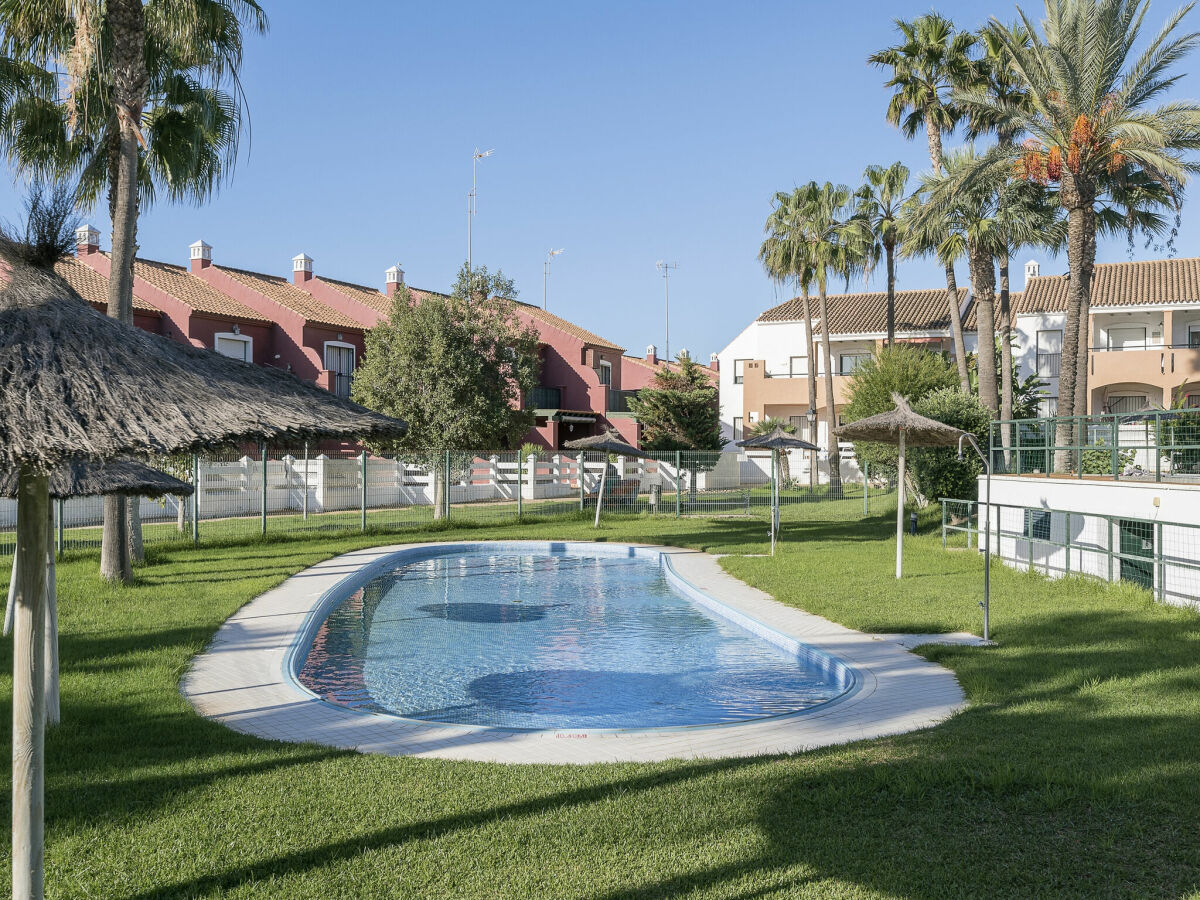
column 341, row 384
column 1049, row 365
column 544, row 398
column 618, row 401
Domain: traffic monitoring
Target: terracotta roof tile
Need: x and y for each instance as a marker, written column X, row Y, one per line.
column 291, row 297
column 1145, row 283
column 548, row 318
column 866, row 312
column 192, row 291
column 368, row 296
column 93, row 287
column 641, row 361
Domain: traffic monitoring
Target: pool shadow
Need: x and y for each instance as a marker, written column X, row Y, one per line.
column 573, row 692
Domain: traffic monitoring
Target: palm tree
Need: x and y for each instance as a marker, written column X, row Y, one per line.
column 930, row 62
column 879, row 202
column 782, row 259
column 1091, row 114
column 144, row 109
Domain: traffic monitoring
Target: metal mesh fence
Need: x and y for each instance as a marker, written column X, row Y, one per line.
column 1148, row 446
column 294, row 489
column 1162, row 557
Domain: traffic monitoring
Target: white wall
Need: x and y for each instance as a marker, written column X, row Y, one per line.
column 774, row 343
column 1025, row 352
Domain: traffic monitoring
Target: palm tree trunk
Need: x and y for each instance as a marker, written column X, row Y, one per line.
column 835, row 462
column 890, row 250
column 983, row 283
column 126, row 21
column 1078, row 200
column 934, row 136
column 1083, row 350
column 956, row 332
column 812, row 383
column 1006, row 358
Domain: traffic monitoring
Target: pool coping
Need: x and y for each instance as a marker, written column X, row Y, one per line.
column 244, row 679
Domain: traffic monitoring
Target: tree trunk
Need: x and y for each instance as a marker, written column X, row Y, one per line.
column 956, row 331
column 890, row 250
column 1006, row 359
column 1078, row 199
column 126, row 21
column 181, row 513
column 439, row 490
column 812, row 385
column 835, row 462
column 133, row 513
column 28, row 709
column 934, row 137
column 983, row 283
column 1083, row 351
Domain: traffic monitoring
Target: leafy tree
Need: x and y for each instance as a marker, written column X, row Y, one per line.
column 1092, row 122
column 455, row 369
column 879, row 203
column 679, row 410
column 937, row 471
column 902, row 368
column 927, row 66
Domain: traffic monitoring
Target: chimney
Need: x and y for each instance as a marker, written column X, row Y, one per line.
column 652, row 355
column 394, row 277
column 1032, row 270
column 201, row 254
column 684, row 352
column 714, row 362
column 87, row 240
column 301, row 268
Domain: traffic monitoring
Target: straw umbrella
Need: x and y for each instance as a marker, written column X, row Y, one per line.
column 609, row 441
column 79, row 478
column 904, row 427
column 778, row 440
column 77, row 384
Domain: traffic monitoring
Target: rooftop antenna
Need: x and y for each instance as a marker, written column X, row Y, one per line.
column 475, row 158
column 665, row 268
column 550, row 254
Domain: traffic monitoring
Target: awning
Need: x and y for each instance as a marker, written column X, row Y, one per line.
column 572, row 417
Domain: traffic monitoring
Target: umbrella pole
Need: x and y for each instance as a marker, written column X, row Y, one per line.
column 29, row 712
column 600, row 496
column 12, row 595
column 774, row 496
column 900, row 511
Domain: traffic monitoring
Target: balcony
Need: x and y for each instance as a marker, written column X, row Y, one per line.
column 618, row 401
column 1162, row 366
column 1049, row 365
column 544, row 398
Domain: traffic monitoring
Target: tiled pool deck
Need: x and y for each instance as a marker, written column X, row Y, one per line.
column 239, row 680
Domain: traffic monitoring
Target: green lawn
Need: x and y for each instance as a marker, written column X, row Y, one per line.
column 1076, row 772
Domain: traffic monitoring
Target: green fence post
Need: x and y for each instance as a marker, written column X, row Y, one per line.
column 678, row 484
column 263, row 447
column 1162, row 563
column 62, row 510
column 1068, row 543
column 943, row 523
column 866, row 469
column 363, row 517
column 196, row 500
column 1158, row 447
column 1109, row 523
column 304, row 484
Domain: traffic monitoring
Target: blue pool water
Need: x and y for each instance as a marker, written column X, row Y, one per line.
column 524, row 638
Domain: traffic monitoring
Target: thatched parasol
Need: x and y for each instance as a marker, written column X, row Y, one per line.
column 75, row 383
column 608, row 441
column 778, row 440
column 901, row 426
column 79, row 478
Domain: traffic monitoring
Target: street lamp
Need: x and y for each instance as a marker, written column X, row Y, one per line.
column 550, row 254
column 475, row 158
column 811, row 415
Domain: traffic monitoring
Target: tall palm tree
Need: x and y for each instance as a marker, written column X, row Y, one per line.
column 1092, row 113
column 144, row 108
column 879, row 202
column 927, row 66
column 783, row 259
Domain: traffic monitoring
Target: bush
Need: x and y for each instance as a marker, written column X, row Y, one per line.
column 938, row 472
column 528, row 449
column 911, row 371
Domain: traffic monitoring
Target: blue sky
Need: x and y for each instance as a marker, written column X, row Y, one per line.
column 625, row 132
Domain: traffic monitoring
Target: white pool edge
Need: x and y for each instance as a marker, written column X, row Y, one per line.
column 245, row 678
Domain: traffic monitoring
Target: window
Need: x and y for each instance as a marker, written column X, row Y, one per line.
column 604, row 370
column 1192, row 401
column 1128, row 403
column 737, row 428
column 339, row 359
column 1048, row 406
column 235, row 346
column 798, row 365
column 1037, row 524
column 1049, row 353
column 1194, row 335
column 739, row 371
column 1127, row 337
column 849, row 362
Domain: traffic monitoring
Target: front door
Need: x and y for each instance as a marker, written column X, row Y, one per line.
column 1137, row 552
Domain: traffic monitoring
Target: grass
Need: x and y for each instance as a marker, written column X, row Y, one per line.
column 1074, row 773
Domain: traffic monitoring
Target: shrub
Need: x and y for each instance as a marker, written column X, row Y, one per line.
column 938, row 472
column 528, row 449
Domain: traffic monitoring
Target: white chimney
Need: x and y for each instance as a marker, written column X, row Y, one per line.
column 652, row 354
column 1032, row 270
column 201, row 255
column 301, row 268
column 684, row 351
column 87, row 240
column 394, row 277
column 714, row 362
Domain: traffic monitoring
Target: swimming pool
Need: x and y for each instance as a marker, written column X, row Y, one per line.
column 528, row 636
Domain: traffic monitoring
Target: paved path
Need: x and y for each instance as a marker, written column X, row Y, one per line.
column 239, row 680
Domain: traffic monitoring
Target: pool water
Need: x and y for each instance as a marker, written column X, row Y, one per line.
column 524, row 638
